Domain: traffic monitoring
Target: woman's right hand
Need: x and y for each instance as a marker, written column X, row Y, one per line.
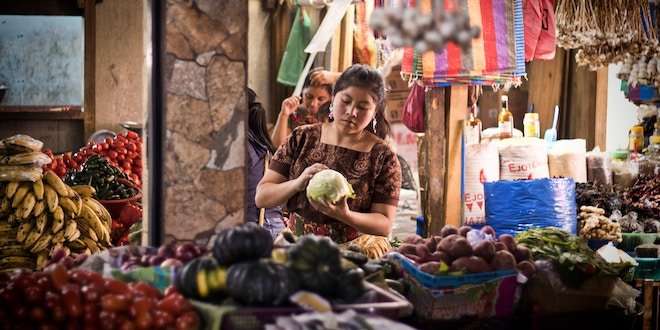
column 289, row 105
column 303, row 180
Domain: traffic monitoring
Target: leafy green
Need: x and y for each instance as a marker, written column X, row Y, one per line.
column 329, row 186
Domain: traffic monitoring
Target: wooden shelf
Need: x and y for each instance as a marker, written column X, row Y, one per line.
column 52, row 112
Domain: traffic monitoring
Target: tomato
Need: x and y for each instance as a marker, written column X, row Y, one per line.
column 78, row 276
column 66, row 156
column 121, row 150
column 117, row 287
column 25, row 280
column 121, row 157
column 109, row 319
column 114, row 302
column 120, row 138
column 20, row 312
column 170, row 290
column 96, row 278
column 58, row 313
column 33, row 295
column 37, row 313
column 60, row 171
column 91, row 293
column 168, row 304
column 131, row 155
column 8, row 297
column 73, row 164
column 118, row 144
column 87, row 152
column 52, row 299
column 90, row 314
column 126, row 324
column 128, row 171
column 47, row 326
column 4, row 276
column 108, row 140
column 144, row 320
column 142, row 288
column 162, row 319
column 131, row 146
column 71, row 300
column 112, row 154
column 187, row 320
column 132, row 135
column 141, row 305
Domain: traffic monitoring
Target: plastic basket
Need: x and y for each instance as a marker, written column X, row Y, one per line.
column 632, row 240
column 647, row 268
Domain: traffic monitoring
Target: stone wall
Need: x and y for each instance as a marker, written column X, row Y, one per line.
column 205, row 68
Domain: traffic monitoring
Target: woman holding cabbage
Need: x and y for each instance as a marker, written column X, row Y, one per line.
column 353, row 145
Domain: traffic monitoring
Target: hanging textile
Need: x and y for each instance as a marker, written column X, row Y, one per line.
column 293, row 60
column 497, row 56
column 364, row 43
column 540, row 29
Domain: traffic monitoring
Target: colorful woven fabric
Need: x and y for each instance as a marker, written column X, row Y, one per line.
column 496, row 57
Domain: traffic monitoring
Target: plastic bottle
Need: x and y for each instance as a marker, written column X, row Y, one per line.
column 636, row 139
column 473, row 127
column 505, row 120
column 531, row 124
column 624, row 171
column 651, row 164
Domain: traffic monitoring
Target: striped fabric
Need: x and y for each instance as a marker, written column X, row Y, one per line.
column 496, row 57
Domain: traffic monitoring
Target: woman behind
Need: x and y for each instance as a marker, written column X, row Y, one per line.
column 353, row 145
column 259, row 148
column 293, row 113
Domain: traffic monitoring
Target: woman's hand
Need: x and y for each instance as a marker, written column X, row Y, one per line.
column 289, row 105
column 324, row 77
column 335, row 211
column 303, row 180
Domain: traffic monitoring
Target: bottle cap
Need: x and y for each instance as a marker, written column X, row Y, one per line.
column 620, row 155
column 637, row 129
column 531, row 115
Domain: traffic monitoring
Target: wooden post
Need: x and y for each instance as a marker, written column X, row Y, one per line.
column 600, row 118
column 446, row 112
column 89, row 102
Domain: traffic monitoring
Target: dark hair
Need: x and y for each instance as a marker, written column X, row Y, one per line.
column 257, row 121
column 364, row 76
column 308, row 80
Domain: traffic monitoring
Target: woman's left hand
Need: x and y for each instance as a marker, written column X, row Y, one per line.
column 335, row 211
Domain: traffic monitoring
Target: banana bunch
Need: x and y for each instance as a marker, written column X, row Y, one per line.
column 47, row 214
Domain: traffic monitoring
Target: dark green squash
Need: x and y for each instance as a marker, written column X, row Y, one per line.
column 244, row 242
column 317, row 261
column 261, row 283
column 351, row 285
column 203, row 279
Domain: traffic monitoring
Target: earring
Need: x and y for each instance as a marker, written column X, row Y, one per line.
column 374, row 124
column 330, row 115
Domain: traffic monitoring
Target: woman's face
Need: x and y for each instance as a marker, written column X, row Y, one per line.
column 314, row 97
column 354, row 108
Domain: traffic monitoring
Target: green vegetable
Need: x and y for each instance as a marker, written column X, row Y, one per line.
column 261, row 283
column 316, row 259
column 242, row 243
column 329, row 186
column 109, row 181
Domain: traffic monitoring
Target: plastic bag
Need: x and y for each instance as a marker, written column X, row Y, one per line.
column 37, row 158
column 539, row 29
column 19, row 143
column 515, row 206
column 20, row 173
column 414, row 112
column 599, row 167
column 482, row 163
column 523, row 158
column 293, row 60
column 567, row 158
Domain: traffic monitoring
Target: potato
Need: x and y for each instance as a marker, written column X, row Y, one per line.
column 472, row 265
column 499, row 246
column 431, row 267
column 407, row 248
column 460, row 248
column 488, row 230
column 413, row 239
column 464, row 230
column 412, row 257
column 440, row 256
column 485, row 250
column 448, row 230
column 509, row 241
column 527, row 268
column 431, row 243
column 522, row 253
column 503, row 260
column 422, row 252
column 446, row 243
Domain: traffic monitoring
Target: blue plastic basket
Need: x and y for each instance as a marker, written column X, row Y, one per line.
column 446, row 281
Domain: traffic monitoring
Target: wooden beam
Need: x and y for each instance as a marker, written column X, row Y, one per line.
column 456, row 101
column 41, row 7
column 90, row 69
column 600, row 119
column 434, row 165
column 545, row 87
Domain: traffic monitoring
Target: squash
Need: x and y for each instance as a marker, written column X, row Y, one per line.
column 351, row 285
column 317, row 261
column 244, row 242
column 261, row 283
column 202, row 278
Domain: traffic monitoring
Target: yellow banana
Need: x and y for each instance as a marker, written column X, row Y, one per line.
column 94, row 222
column 42, row 258
column 86, row 231
column 68, row 205
column 75, row 198
column 77, row 245
column 19, row 195
column 85, row 191
column 76, row 234
column 70, row 227
column 28, row 204
column 12, row 186
column 13, row 250
column 58, row 219
column 5, row 207
column 58, row 238
column 12, row 219
column 41, row 221
column 39, row 208
column 100, row 210
column 38, row 188
column 17, row 262
column 42, row 243
column 52, row 200
column 91, row 245
column 54, row 181
column 32, row 238
column 23, row 230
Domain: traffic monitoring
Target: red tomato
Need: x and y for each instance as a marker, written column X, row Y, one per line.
column 162, row 319
column 20, row 312
column 120, row 138
column 144, row 289
column 131, row 154
column 112, row 154
column 126, row 166
column 33, row 295
column 128, row 171
column 71, row 300
column 132, row 135
column 187, row 320
column 117, row 287
column 108, row 140
column 25, row 280
column 60, row 171
column 52, row 300
column 170, row 290
column 131, row 147
column 121, row 158
column 144, row 321
column 121, row 150
column 66, row 156
column 37, row 313
column 114, row 302
column 90, row 314
column 118, row 144
column 91, row 293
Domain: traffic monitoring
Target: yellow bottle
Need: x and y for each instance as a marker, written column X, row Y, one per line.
column 505, row 120
column 473, row 127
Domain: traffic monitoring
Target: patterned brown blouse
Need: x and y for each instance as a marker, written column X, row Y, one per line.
column 375, row 177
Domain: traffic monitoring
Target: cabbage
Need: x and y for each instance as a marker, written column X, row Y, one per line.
column 330, row 186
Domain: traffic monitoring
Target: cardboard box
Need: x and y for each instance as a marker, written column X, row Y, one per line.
column 394, row 82
column 394, row 109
